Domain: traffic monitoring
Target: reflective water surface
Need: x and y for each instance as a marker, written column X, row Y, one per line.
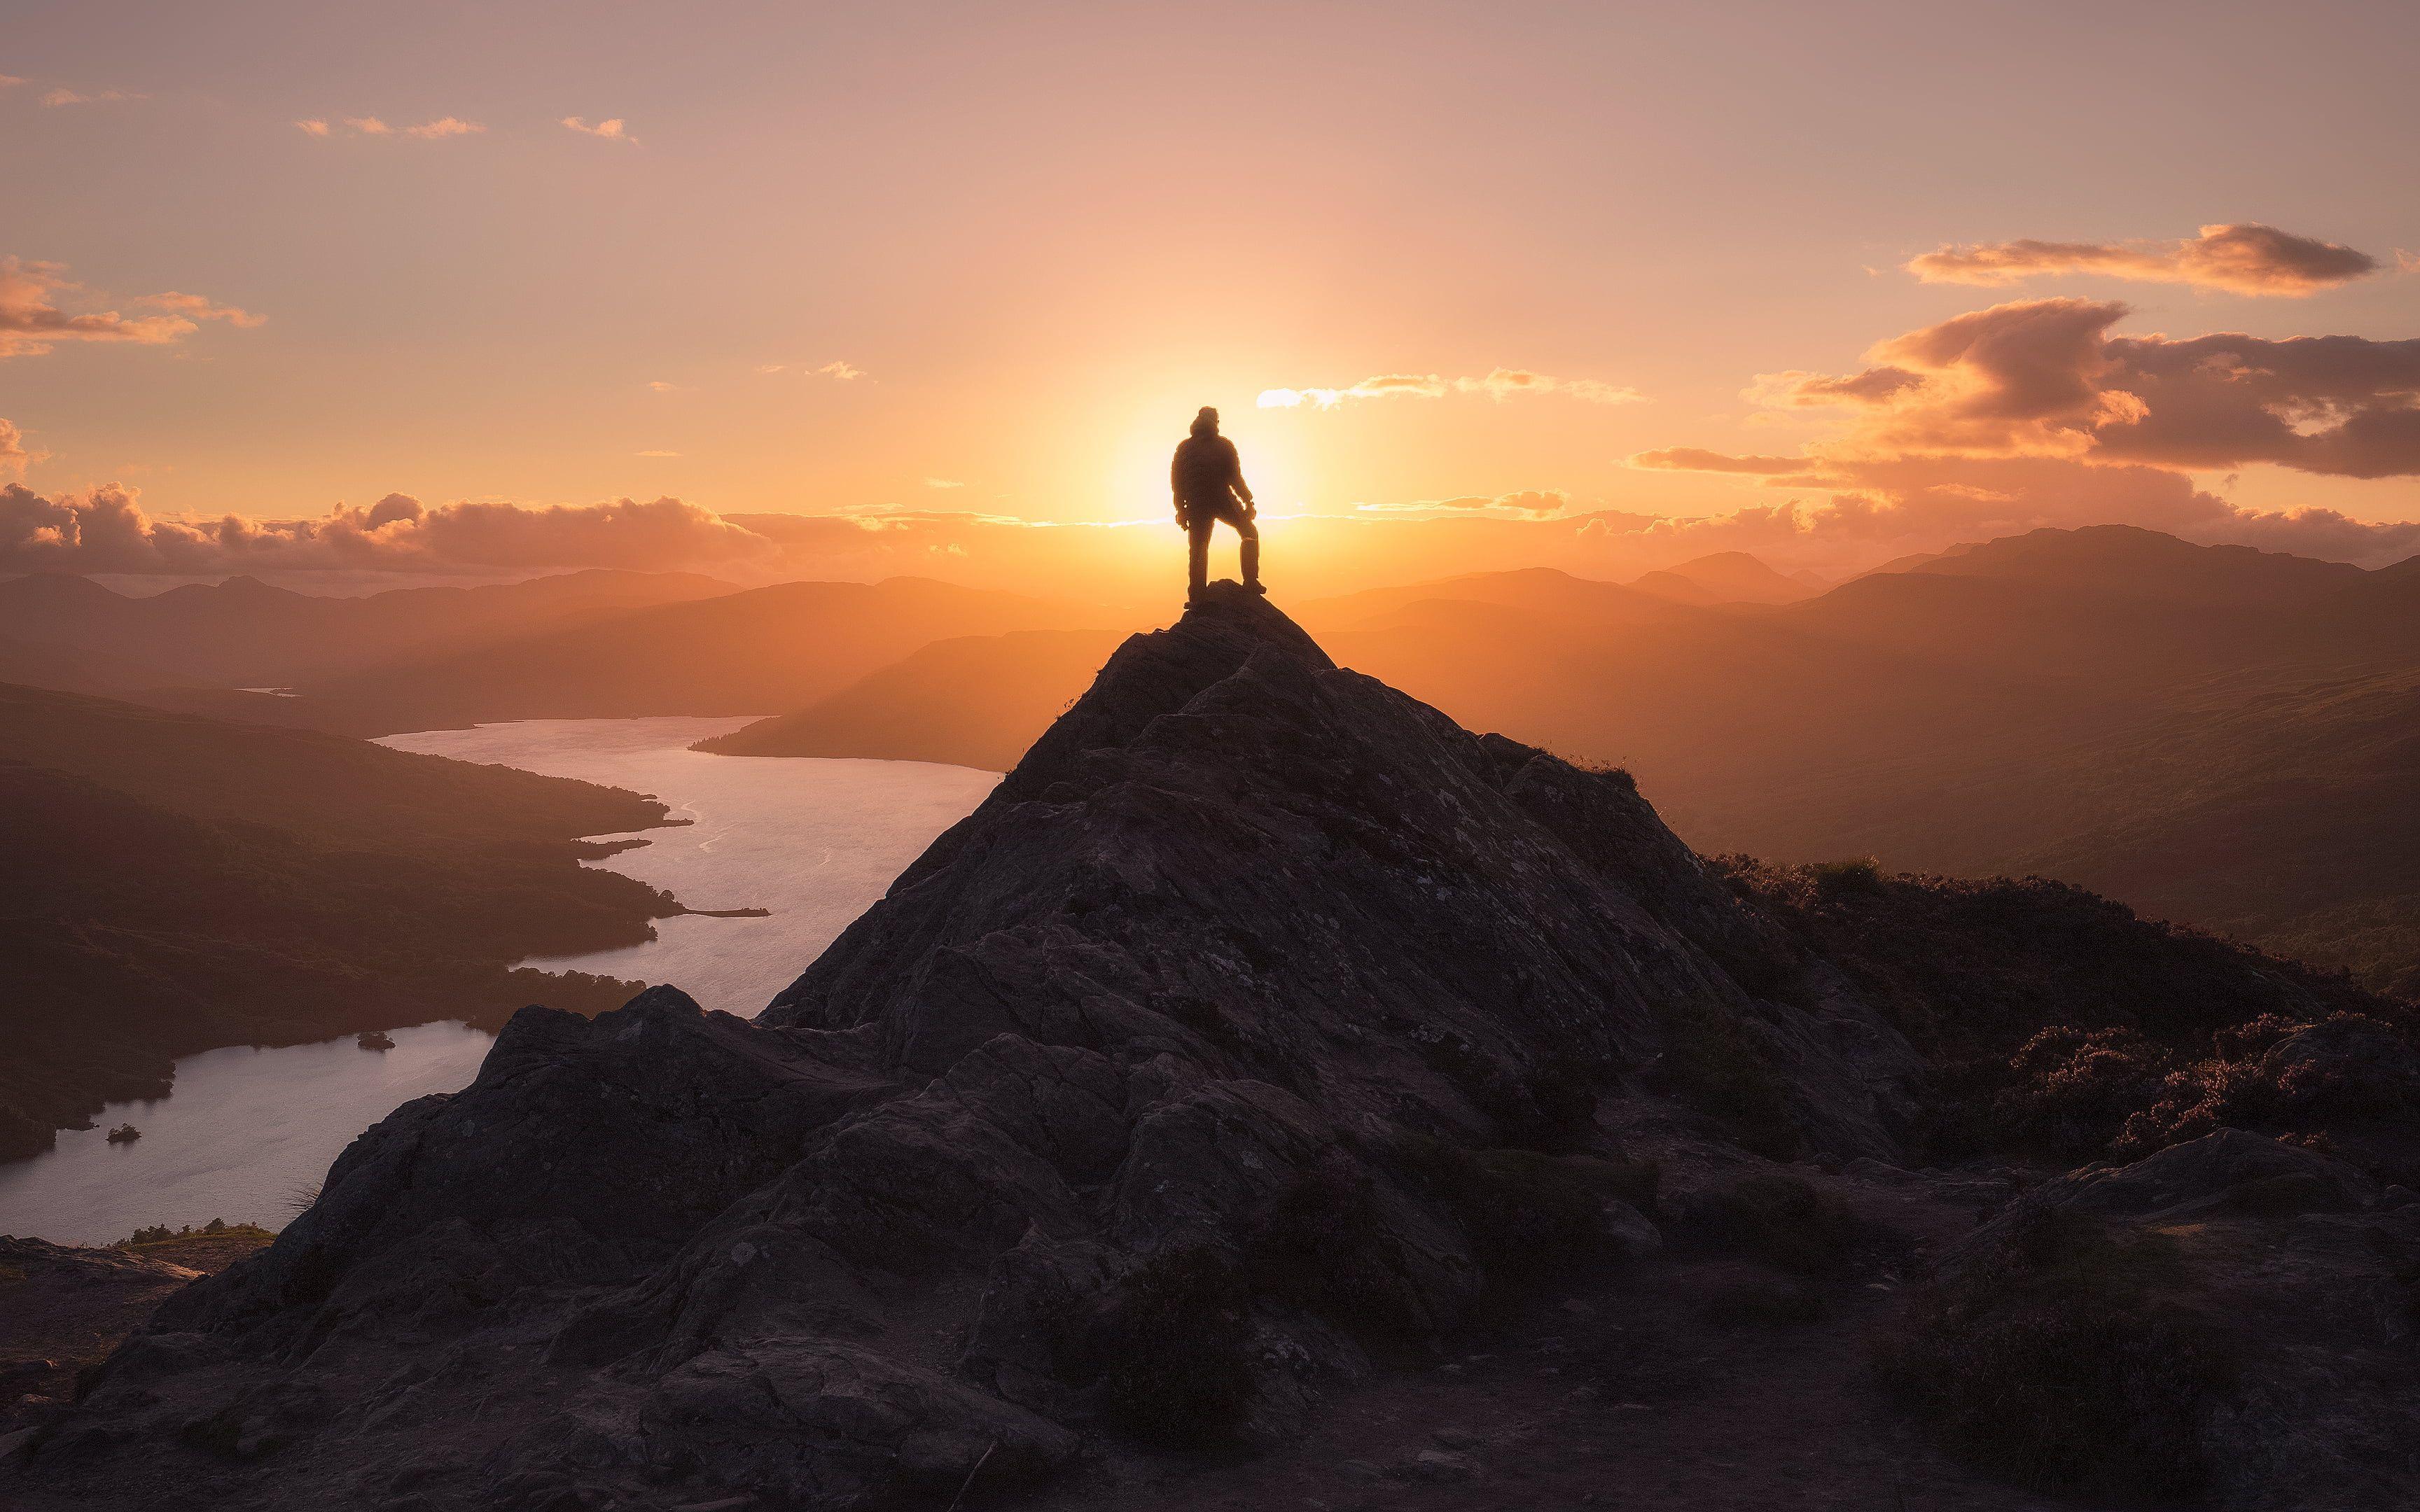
column 814, row 842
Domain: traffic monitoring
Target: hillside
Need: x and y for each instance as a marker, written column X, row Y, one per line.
column 758, row 651
column 244, row 633
column 1725, row 577
column 1275, row 1092
column 2214, row 734
column 173, row 883
column 975, row 701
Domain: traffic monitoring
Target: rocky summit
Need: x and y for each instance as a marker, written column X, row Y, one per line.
column 1265, row 1038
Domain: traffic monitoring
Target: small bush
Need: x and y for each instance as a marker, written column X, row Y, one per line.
column 1529, row 1218
column 1786, row 1222
column 1178, row 1376
column 1710, row 1064
column 1858, row 874
column 1323, row 1248
column 2056, row 1364
column 2075, row 1090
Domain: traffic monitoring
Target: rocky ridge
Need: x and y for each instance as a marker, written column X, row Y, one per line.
column 1261, row 1030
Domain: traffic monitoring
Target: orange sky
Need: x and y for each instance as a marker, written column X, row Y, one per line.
column 773, row 258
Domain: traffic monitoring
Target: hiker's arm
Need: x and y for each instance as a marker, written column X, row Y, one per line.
column 1235, row 478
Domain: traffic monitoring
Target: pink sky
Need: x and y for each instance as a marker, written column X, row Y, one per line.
column 983, row 260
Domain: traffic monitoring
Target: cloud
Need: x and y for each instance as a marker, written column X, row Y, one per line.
column 658, row 454
column 943, row 483
column 13, row 453
column 32, row 322
column 438, row 129
column 662, row 387
column 198, row 308
column 64, row 96
column 1500, row 383
column 2046, row 377
column 107, row 529
column 10, row 81
column 2245, row 257
column 1797, row 390
column 1536, row 502
column 613, row 130
column 1693, row 459
column 840, row 372
column 1503, row 383
column 1885, row 508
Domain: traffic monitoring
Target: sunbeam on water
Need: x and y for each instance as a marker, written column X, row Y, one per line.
column 812, row 842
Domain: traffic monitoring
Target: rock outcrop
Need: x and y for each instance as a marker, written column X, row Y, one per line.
column 1261, row 1025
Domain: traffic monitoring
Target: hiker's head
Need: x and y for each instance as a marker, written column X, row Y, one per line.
column 1206, row 422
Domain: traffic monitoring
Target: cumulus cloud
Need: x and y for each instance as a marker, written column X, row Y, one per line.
column 1696, row 459
column 1534, row 502
column 837, row 370
column 1498, row 383
column 1888, row 506
column 107, row 529
column 435, row 130
column 2032, row 413
column 13, row 454
column 199, row 308
column 2046, row 377
column 2245, row 257
column 64, row 96
column 31, row 320
column 613, row 129
column 659, row 386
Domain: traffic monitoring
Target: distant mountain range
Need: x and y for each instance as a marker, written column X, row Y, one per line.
column 2213, row 734
column 2217, row 735
column 169, row 883
column 763, row 650
column 244, row 633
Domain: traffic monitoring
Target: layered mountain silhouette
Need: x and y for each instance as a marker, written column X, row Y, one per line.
column 2215, row 734
column 174, row 884
column 1264, row 1035
column 244, row 633
column 745, row 653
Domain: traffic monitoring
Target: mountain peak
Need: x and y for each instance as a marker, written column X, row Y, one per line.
column 1261, row 1018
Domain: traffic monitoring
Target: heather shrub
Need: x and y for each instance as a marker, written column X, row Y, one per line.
column 1177, row 1374
column 1785, row 1222
column 1711, row 1065
column 2056, row 1362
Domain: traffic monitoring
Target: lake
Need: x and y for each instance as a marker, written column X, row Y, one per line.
column 812, row 841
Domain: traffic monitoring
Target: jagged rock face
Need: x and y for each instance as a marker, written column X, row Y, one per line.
column 1244, row 936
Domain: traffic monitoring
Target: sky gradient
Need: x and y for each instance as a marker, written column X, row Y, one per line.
column 986, row 260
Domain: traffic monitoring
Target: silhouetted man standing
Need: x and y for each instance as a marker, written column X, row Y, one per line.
column 1208, row 481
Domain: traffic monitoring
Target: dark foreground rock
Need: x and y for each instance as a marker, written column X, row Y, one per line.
column 1262, row 1033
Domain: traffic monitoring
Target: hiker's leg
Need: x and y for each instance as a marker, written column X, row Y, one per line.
column 1250, row 536
column 1197, row 543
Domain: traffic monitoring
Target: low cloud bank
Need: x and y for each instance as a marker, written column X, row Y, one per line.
column 2245, row 257
column 107, row 529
